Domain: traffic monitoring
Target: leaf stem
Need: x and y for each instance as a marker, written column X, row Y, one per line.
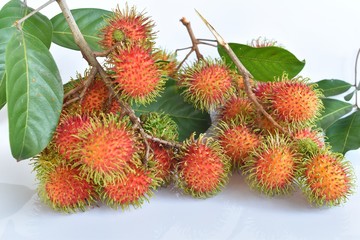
column 20, row 21
column 243, row 71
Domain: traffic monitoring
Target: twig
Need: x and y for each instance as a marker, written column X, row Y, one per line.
column 243, row 71
column 164, row 142
column 185, row 58
column 20, row 21
column 91, row 59
column 194, row 41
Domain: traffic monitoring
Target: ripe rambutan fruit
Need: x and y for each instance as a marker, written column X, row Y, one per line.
column 207, row 84
column 238, row 141
column 240, row 84
column 95, row 96
column 65, row 139
column 136, row 75
column 273, row 167
column 160, row 125
column 130, row 190
column 126, row 26
column 326, row 178
column 202, row 168
column 107, row 148
column 309, row 140
column 163, row 163
column 237, row 106
column 167, row 63
column 60, row 185
column 295, row 101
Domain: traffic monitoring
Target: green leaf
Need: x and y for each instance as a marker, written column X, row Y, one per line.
column 332, row 87
column 349, row 96
column 333, row 110
column 34, row 95
column 90, row 22
column 188, row 119
column 265, row 63
column 344, row 134
column 37, row 25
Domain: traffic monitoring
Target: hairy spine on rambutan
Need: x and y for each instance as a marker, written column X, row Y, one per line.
column 326, row 178
column 126, row 26
column 160, row 125
column 238, row 139
column 309, row 140
column 274, row 166
column 136, row 74
column 207, row 83
column 60, row 184
column 131, row 190
column 237, row 107
column 95, row 97
column 108, row 147
column 202, row 168
column 167, row 63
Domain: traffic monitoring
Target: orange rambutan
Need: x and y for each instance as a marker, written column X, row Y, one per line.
column 274, row 166
column 163, row 161
column 130, row 190
column 95, row 97
column 60, row 185
column 136, row 75
column 65, row 139
column 295, row 101
column 202, row 168
column 326, row 178
column 238, row 141
column 125, row 26
column 107, row 148
column 167, row 63
column 237, row 106
column 207, row 84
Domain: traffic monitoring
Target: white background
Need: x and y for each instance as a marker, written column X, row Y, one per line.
column 324, row 33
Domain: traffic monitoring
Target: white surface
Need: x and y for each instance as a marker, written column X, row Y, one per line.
column 325, row 33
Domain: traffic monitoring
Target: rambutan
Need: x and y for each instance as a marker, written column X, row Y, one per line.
column 95, row 96
column 207, row 84
column 160, row 125
column 238, row 141
column 107, row 148
column 60, row 185
column 125, row 26
column 274, row 166
column 326, row 178
column 237, row 106
column 65, row 139
column 309, row 140
column 202, row 168
column 295, row 101
column 136, row 75
column 130, row 190
column 163, row 163
column 167, row 63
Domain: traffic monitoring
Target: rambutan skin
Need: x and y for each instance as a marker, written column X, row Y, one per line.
column 131, row 190
column 107, row 148
column 127, row 25
column 60, row 184
column 95, row 97
column 207, row 84
column 202, row 168
column 237, row 107
column 163, row 166
column 274, row 166
column 160, row 125
column 326, row 178
column 238, row 140
column 136, row 75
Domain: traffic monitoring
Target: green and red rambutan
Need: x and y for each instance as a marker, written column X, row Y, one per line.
column 167, row 63
column 163, row 163
column 202, row 168
column 237, row 106
column 130, row 190
column 273, row 167
column 65, row 137
column 60, row 185
column 126, row 26
column 95, row 97
column 136, row 74
column 238, row 140
column 295, row 101
column 107, row 148
column 309, row 140
column 326, row 178
column 207, row 83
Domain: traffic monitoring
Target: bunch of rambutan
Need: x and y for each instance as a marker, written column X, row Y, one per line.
column 98, row 153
